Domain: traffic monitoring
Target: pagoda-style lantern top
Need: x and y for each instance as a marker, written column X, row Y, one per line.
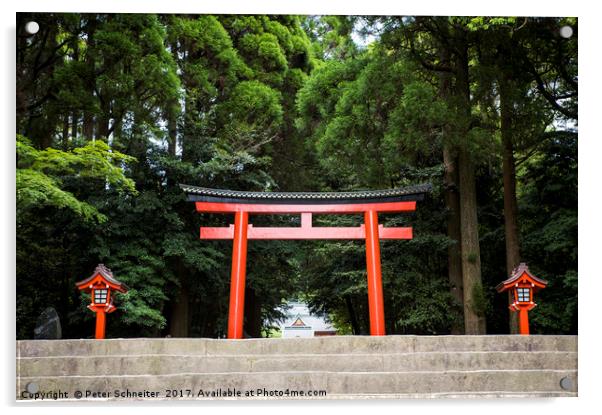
column 100, row 284
column 524, row 284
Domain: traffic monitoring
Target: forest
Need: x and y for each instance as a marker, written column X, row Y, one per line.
column 114, row 111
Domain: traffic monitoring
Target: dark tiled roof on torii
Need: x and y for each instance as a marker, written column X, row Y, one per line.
column 106, row 273
column 203, row 194
column 517, row 273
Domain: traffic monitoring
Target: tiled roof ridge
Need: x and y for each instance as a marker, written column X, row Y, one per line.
column 106, row 272
column 517, row 272
column 359, row 194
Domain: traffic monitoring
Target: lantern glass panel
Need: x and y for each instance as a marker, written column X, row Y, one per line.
column 523, row 295
column 100, row 296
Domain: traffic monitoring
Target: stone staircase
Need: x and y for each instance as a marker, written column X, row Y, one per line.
column 342, row 366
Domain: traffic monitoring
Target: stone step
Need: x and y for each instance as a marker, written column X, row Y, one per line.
column 163, row 364
column 316, row 345
column 336, row 384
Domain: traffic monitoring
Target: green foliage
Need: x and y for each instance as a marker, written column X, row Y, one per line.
column 255, row 104
column 41, row 173
column 35, row 189
column 548, row 203
column 331, row 36
column 266, row 49
column 415, row 124
column 484, row 23
column 377, row 128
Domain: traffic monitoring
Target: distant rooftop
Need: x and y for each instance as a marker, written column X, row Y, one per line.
column 300, row 310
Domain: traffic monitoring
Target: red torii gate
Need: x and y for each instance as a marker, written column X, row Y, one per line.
column 241, row 204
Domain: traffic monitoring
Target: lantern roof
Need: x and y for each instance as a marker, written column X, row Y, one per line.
column 203, row 194
column 520, row 272
column 102, row 273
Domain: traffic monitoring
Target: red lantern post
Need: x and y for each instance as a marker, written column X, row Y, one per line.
column 523, row 284
column 100, row 286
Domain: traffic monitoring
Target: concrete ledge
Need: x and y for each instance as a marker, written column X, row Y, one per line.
column 397, row 362
column 315, row 345
column 375, row 383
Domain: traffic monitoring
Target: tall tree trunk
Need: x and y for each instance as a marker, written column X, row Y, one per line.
column 75, row 124
column 117, row 130
column 65, row 134
column 253, row 323
column 187, row 126
column 46, row 126
column 75, row 113
column 452, row 201
column 172, row 128
column 355, row 327
column 210, row 329
column 510, row 203
column 88, row 121
column 21, row 76
column 454, row 252
column 88, row 125
column 172, row 111
column 180, row 310
column 474, row 320
column 104, row 120
column 180, row 307
column 190, row 111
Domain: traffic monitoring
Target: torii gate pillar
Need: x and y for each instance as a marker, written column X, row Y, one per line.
column 239, row 272
column 376, row 307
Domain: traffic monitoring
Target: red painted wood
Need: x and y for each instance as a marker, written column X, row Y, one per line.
column 301, row 233
column 306, row 220
column 99, row 280
column 214, row 207
column 523, row 321
column 237, row 284
column 375, row 290
column 100, row 324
